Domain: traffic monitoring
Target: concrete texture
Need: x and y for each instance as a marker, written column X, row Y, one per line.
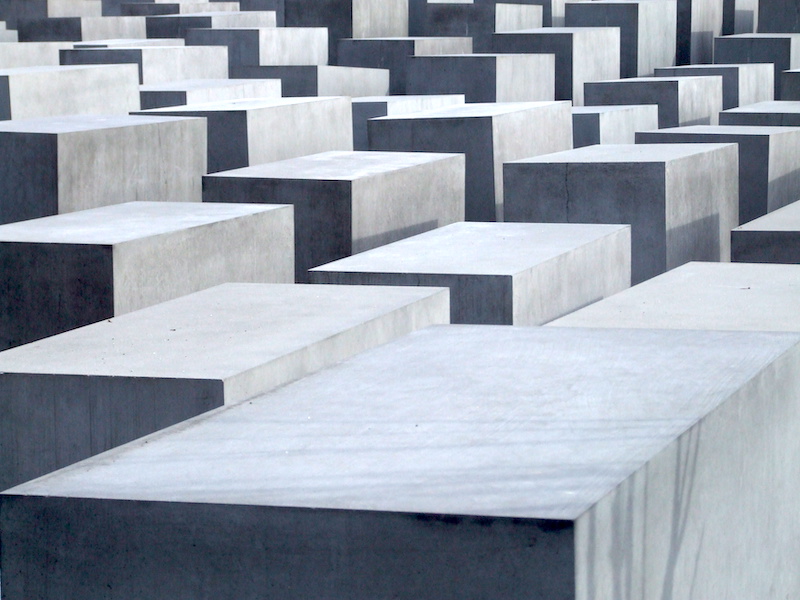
column 538, row 473
column 778, row 16
column 707, row 296
column 741, row 84
column 773, row 238
column 487, row 134
column 779, row 113
column 13, row 10
column 196, row 91
column 790, row 85
column 500, row 273
column 64, row 164
column 62, row 272
column 253, row 131
column 699, row 22
column 348, row 202
column 680, row 100
column 611, row 124
column 480, row 20
column 681, row 200
column 31, row 54
column 582, row 54
column 105, row 384
column 769, row 161
column 780, row 49
column 179, row 26
column 321, row 80
column 77, row 29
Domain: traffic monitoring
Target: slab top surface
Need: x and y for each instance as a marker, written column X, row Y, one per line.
column 474, row 249
column 78, row 123
column 56, row 69
column 199, row 84
column 591, row 110
column 623, row 153
column 526, row 422
column 768, row 106
column 212, row 334
column 720, row 296
column 235, row 105
column 478, row 109
column 731, row 130
column 786, row 218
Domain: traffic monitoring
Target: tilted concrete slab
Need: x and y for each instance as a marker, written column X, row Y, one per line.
column 611, row 124
column 105, row 384
column 500, row 273
column 780, row 113
column 457, row 462
column 773, row 238
column 742, row 84
column 197, row 91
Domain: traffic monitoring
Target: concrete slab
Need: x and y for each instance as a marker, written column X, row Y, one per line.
column 178, row 26
column 681, row 200
column 741, row 84
column 780, row 49
column 125, row 43
column 348, row 202
column 12, row 10
column 699, row 22
column 253, row 131
column 196, row 91
column 480, row 20
column 790, row 85
column 61, row 29
column 773, row 238
column 488, row 135
column 322, row 80
column 539, row 452
column 175, row 8
column 500, row 273
column 31, row 54
column 611, row 124
column 778, row 113
column 708, row 296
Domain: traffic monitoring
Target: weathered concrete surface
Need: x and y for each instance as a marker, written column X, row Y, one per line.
column 780, row 49
column 742, row 84
column 611, row 124
column 779, row 113
column 197, row 91
column 31, row 54
column 773, row 238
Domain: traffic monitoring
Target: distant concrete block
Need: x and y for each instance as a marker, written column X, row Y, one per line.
column 773, row 238
column 611, row 124
column 253, row 131
column 488, row 135
column 457, row 462
column 179, row 26
column 175, row 8
column 680, row 100
column 480, row 20
column 484, row 77
column 699, row 22
column 741, row 84
column 681, row 200
column 647, row 30
column 64, row 164
column 321, row 80
column 14, row 10
column 778, row 16
column 769, row 161
column 31, row 54
column 781, row 113
column 66, row 271
column 61, row 29
column 348, row 202
column 195, row 91
column 780, row 49
column 500, row 273
column 582, row 54
column 124, row 43
column 105, row 384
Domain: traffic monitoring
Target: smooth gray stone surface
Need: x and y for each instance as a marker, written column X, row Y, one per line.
column 62, row 272
column 781, row 49
column 790, row 85
column 196, row 91
column 62, row 164
column 488, row 134
column 773, row 238
column 611, row 124
column 582, row 54
column 457, row 462
column 680, row 100
column 708, row 296
column 778, row 16
column 769, row 161
column 77, row 28
column 681, row 200
column 742, row 84
column 481, row 20
column 179, row 26
column 780, row 113
column 105, row 384
column 348, row 202
column 500, row 273
column 321, row 80
column 254, row 130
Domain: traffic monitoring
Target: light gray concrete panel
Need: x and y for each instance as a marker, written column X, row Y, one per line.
column 582, row 54
column 539, row 472
column 104, row 384
column 500, row 273
column 31, row 54
column 64, row 164
column 322, row 80
column 773, row 238
column 348, row 202
column 196, row 91
column 59, row 29
column 769, row 161
column 178, row 26
column 488, row 135
column 253, row 131
column 779, row 113
column 611, row 124
column 680, row 100
column 741, row 84
column 681, row 200
column 780, row 49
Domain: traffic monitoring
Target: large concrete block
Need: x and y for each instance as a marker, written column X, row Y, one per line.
column 348, row 202
column 157, row 64
column 30, row 92
column 778, row 16
column 458, row 462
column 66, row 271
column 195, row 91
column 77, row 29
column 31, row 54
column 321, row 80
column 488, row 135
column 741, row 84
column 611, row 124
column 780, row 49
column 253, row 131
column 484, row 77
column 680, row 100
column 64, row 164
column 773, row 238
column 105, row 384
column 179, row 26
column 781, row 113
column 395, row 54
column 582, row 54
column 698, row 295
column 647, row 30
column 500, row 273
column 769, row 161
column 480, row 20
column 681, row 200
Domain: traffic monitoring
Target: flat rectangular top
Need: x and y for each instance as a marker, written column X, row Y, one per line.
column 130, row 43
column 786, row 218
column 769, row 106
column 623, row 153
column 185, row 85
column 593, row 110
column 235, row 105
column 475, row 249
column 715, row 68
column 721, row 296
column 57, row 69
column 727, row 130
column 478, row 109
column 344, row 165
column 526, row 422
column 78, row 123
column 555, row 30
column 119, row 223
column 680, row 80
column 212, row 334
